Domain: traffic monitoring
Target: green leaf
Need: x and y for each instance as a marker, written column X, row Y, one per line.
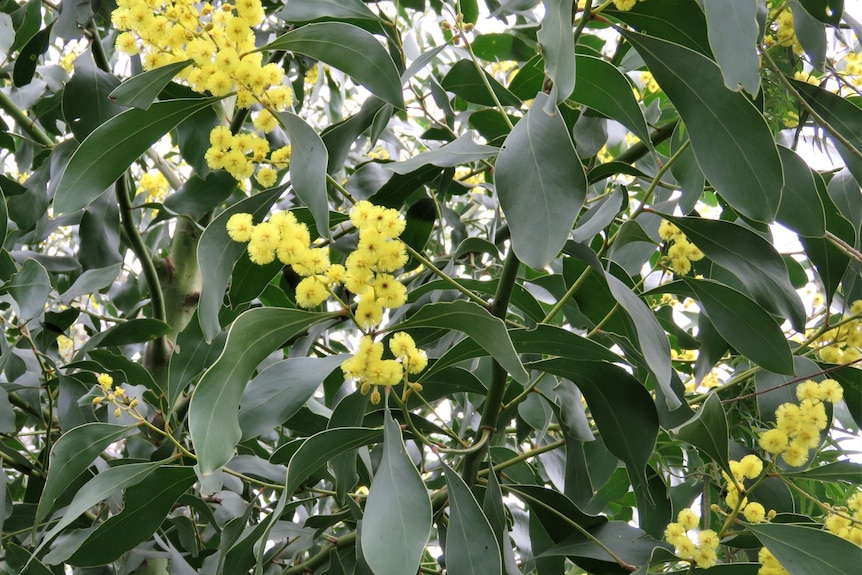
column 86, row 105
column 724, row 127
column 541, row 185
column 847, row 197
column 192, row 354
column 471, row 547
column 495, row 512
column 558, row 48
column 752, row 259
column 91, row 281
column 146, row 507
column 843, row 116
column 217, row 254
column 98, row 489
column 112, row 147
column 464, row 81
column 849, row 471
column 28, row 27
column 28, row 58
column 213, row 422
column 280, row 390
column 308, row 162
column 598, row 217
column 397, row 505
column 628, row 543
column 4, row 217
column 804, row 550
column 733, row 36
column 681, row 22
column 827, row 11
column 618, row 403
column 744, row 325
column 653, row 341
column 320, row 448
column 707, row 431
column 307, row 10
column 350, row 49
column 502, row 46
column 602, row 87
column 29, row 287
column 74, row 452
column 137, row 330
column 459, row 152
column 774, row 389
column 811, row 34
column 141, row 90
column 801, row 209
column 548, row 505
column 199, row 195
column 475, row 321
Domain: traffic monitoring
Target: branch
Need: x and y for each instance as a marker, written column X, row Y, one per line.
column 27, row 125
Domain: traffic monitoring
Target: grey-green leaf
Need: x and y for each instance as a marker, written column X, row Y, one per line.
column 471, row 547
column 458, row 152
column 801, row 209
column 308, row 162
column 141, row 90
column 307, row 10
column 350, row 49
column 847, row 197
column 29, row 287
column 724, row 127
column 541, row 184
column 397, row 505
column 803, row 550
column 733, row 34
column 558, row 48
column 213, row 422
column 707, row 431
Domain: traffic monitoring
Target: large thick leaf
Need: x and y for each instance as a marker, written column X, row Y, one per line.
column 320, row 448
column 843, row 116
column 801, row 209
column 558, row 49
column 464, row 81
column 707, row 431
column 307, row 10
column 849, row 471
column 29, row 287
column 86, row 105
column 804, row 550
column 679, row 21
column 140, row 91
column 628, row 543
column 350, row 49
column 459, row 152
column 145, row 508
column 733, row 35
column 847, row 197
column 827, row 11
column 541, row 184
column 280, row 390
column 743, row 324
column 602, row 87
column 475, row 321
column 217, row 254
column 619, row 404
column 752, row 259
column 213, row 422
column 91, row 281
column 397, row 505
column 308, row 162
column 72, row 454
column 471, row 546
column 724, row 127
column 112, row 147
column 98, row 489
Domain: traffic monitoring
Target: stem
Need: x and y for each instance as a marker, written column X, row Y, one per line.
column 807, row 107
column 568, row 295
column 662, row 171
column 27, row 125
column 639, row 150
column 341, row 189
column 442, row 275
column 483, row 75
column 321, row 556
column 844, row 246
column 499, row 375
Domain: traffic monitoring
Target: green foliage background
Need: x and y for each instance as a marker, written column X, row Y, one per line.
column 581, row 389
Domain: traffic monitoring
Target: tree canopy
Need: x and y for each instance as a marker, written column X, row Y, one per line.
column 385, row 288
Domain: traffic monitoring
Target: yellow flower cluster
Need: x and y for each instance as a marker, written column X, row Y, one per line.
column 366, row 272
column 701, row 553
column 625, row 5
column 681, row 251
column 769, row 565
column 116, row 395
column 797, row 427
column 370, row 370
column 842, row 344
column 237, row 154
column 847, row 523
column 154, row 185
column 785, row 34
column 853, row 68
column 749, row 467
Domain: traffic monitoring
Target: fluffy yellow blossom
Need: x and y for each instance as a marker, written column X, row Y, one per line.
column 754, row 512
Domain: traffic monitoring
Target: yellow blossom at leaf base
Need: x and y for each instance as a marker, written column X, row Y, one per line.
column 769, row 564
column 754, row 512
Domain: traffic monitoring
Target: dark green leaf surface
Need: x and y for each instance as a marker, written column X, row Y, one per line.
column 86, row 105
column 848, row 471
column 464, row 81
column 475, row 321
column 558, row 49
column 307, row 10
column 707, row 431
column 308, row 162
column 847, row 197
column 679, row 21
column 827, row 11
column 471, row 547
column 29, row 287
column 213, row 422
column 733, row 37
column 541, row 185
column 72, row 454
column 724, row 127
column 140, row 91
column 398, row 505
column 112, row 147
column 350, row 49
column 801, row 209
column 803, row 550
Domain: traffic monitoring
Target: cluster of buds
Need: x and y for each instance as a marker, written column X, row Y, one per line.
column 368, row 368
column 798, row 426
column 681, row 252
column 843, row 344
column 115, row 395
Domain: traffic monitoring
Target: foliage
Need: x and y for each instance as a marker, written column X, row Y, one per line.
column 465, row 287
